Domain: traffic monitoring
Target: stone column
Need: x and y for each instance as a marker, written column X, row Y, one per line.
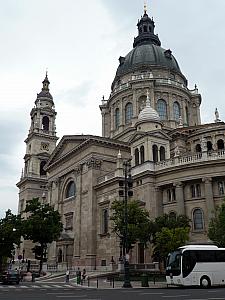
column 209, row 197
column 180, row 198
column 103, row 122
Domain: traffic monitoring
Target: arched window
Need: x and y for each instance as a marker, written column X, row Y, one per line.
column 45, row 123
column 198, row 222
column 117, row 118
column 162, row 153
column 70, row 189
column 42, row 164
column 142, row 152
column 176, row 111
column 136, row 154
column 145, row 28
column 60, row 256
column 155, row 153
column 220, row 144
column 128, row 112
column 209, row 146
column 161, row 109
column 198, row 148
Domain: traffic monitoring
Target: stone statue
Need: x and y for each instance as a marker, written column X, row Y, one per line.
column 217, row 116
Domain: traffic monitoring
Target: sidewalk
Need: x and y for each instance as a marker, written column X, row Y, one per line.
column 100, row 283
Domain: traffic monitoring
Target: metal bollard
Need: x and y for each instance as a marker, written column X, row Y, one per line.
column 97, row 282
column 113, row 282
column 88, row 281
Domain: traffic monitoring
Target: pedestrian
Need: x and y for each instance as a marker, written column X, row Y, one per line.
column 67, row 276
column 78, row 273
column 83, row 274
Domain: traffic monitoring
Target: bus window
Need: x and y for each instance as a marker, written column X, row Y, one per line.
column 174, row 264
column 188, row 262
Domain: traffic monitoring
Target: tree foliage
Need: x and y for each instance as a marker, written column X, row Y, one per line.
column 10, row 234
column 170, row 222
column 216, row 231
column 43, row 225
column 169, row 239
column 169, row 232
column 137, row 219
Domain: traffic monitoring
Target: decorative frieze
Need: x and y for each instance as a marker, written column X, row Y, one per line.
column 93, row 163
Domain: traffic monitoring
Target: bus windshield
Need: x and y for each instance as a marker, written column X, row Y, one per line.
column 173, row 265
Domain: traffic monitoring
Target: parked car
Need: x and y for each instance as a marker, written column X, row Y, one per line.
column 10, row 276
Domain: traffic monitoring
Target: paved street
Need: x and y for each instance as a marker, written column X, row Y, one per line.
column 52, row 291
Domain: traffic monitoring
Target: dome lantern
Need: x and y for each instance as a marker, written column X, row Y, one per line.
column 146, row 33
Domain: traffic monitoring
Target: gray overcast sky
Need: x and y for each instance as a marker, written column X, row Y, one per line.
column 80, row 43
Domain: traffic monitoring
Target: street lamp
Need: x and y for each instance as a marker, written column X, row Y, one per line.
column 127, row 192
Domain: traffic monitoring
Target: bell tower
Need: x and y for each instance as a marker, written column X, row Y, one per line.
column 40, row 143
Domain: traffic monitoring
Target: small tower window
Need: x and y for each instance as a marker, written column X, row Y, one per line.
column 45, row 123
column 136, row 154
column 145, row 28
column 155, row 153
column 162, row 153
column 209, row 146
column 42, row 171
column 220, row 144
column 198, row 148
column 142, row 152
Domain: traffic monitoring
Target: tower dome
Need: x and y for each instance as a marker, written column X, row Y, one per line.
column 148, row 114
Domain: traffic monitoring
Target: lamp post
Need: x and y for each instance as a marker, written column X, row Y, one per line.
column 127, row 183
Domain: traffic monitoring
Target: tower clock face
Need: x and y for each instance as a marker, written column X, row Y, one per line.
column 45, row 146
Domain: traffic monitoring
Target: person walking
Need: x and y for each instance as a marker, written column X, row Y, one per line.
column 78, row 273
column 83, row 275
column 67, row 276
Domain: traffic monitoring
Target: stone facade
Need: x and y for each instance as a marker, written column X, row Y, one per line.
column 153, row 118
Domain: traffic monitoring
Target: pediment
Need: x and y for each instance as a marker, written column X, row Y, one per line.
column 156, row 134
column 65, row 146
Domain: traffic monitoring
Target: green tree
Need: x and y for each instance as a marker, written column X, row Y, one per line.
column 216, row 231
column 169, row 221
column 168, row 233
column 10, row 235
column 138, row 222
column 43, row 226
column 169, row 239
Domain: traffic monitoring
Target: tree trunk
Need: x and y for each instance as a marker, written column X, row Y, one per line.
column 41, row 259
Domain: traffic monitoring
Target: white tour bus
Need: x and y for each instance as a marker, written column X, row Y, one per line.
column 196, row 265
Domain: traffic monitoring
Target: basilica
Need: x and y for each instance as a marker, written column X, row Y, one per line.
column 152, row 118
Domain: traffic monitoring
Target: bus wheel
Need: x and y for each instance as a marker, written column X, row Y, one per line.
column 205, row 282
